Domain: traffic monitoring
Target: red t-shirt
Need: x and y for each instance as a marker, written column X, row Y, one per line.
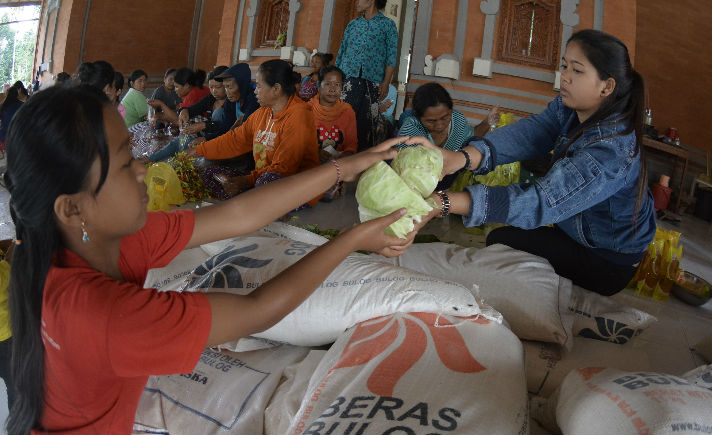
column 104, row 337
column 195, row 95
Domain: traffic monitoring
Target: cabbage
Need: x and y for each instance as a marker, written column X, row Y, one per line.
column 380, row 191
column 420, row 168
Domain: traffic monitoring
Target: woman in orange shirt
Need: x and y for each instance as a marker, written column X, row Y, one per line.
column 335, row 120
column 281, row 136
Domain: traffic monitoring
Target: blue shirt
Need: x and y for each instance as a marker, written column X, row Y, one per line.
column 393, row 96
column 368, row 47
column 460, row 131
column 590, row 193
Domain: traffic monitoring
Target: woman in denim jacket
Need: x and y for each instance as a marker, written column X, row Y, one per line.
column 595, row 193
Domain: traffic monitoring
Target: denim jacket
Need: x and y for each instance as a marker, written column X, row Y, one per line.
column 590, row 193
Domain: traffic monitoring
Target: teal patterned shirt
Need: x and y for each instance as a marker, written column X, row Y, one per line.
column 368, row 47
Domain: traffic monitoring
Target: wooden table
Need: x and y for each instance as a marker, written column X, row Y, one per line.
column 676, row 151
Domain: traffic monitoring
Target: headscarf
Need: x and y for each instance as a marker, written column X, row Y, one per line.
column 326, row 113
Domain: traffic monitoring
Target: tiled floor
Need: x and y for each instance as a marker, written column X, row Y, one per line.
column 666, row 343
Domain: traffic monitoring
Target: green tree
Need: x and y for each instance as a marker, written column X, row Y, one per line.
column 17, row 43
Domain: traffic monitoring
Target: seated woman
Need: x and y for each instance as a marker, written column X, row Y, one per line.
column 134, row 101
column 335, row 120
column 281, row 135
column 99, row 75
column 434, row 118
column 167, row 92
column 118, row 89
column 16, row 95
column 309, row 88
column 211, row 105
column 189, row 87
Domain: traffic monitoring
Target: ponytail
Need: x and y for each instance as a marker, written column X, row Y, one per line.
column 278, row 71
column 637, row 109
column 54, row 140
column 626, row 103
column 186, row 75
column 199, row 78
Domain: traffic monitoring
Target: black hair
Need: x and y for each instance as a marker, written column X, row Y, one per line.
column 118, row 80
column 216, row 72
column 11, row 98
column 193, row 78
column 329, row 69
column 326, row 58
column 168, row 72
column 278, row 71
column 20, row 87
column 63, row 77
column 625, row 104
column 97, row 74
column 52, row 143
column 135, row 75
column 430, row 95
column 381, row 4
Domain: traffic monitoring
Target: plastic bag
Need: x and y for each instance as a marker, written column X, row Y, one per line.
column 164, row 187
column 660, row 266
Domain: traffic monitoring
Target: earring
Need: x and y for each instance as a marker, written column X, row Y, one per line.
column 85, row 236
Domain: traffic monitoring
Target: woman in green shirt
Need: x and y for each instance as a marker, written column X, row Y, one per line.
column 134, row 101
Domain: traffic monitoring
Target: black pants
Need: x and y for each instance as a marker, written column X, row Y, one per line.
column 5, row 347
column 569, row 259
column 362, row 95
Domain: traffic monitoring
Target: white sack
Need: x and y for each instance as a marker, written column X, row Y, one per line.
column 547, row 364
column 285, row 402
column 701, row 376
column 226, row 393
column 603, row 318
column 523, row 287
column 174, row 274
column 418, row 373
column 611, row 401
column 360, row 288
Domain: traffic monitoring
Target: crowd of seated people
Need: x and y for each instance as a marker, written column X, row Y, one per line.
column 255, row 131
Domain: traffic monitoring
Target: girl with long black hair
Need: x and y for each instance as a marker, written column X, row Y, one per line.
column 86, row 334
column 595, row 193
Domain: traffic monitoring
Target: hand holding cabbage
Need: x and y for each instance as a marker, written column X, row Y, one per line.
column 383, row 189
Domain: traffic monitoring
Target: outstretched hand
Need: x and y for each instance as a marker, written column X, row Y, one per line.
column 370, row 236
column 352, row 166
column 453, row 161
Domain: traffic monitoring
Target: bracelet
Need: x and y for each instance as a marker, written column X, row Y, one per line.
column 467, row 159
column 445, row 200
column 338, row 183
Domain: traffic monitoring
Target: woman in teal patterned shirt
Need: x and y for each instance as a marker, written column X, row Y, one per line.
column 367, row 56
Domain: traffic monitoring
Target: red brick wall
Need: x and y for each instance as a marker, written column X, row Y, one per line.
column 210, row 34
column 228, row 26
column 308, row 24
column 133, row 34
column 675, row 59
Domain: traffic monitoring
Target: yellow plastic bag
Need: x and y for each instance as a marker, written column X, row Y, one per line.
column 660, row 266
column 164, row 188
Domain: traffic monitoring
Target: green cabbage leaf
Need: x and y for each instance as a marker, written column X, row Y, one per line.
column 420, row 168
column 380, row 191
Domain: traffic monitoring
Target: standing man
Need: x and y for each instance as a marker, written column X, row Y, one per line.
column 367, row 56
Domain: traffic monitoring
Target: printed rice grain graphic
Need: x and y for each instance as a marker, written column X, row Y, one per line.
column 411, row 331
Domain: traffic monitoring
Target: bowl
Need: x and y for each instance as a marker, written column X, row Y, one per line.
column 692, row 290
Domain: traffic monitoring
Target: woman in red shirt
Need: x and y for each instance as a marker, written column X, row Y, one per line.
column 86, row 334
column 189, row 86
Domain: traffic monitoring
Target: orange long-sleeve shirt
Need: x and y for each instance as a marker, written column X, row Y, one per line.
column 285, row 143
